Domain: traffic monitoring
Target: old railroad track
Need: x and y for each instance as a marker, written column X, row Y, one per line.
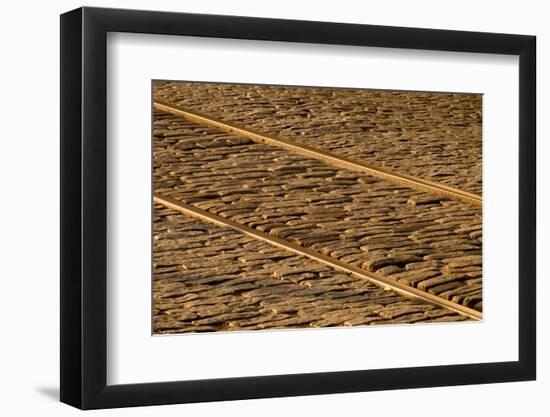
column 256, row 230
column 327, row 156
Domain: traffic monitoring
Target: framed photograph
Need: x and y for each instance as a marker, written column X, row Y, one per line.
column 259, row 208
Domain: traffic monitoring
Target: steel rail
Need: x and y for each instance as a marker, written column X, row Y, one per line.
column 328, row 157
column 376, row 279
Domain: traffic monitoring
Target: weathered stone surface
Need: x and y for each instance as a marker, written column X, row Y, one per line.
column 207, row 278
column 367, row 222
column 436, row 136
column 256, row 286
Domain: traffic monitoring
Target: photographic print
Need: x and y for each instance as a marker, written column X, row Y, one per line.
column 279, row 207
column 337, row 184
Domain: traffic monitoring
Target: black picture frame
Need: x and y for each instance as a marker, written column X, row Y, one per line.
column 84, row 208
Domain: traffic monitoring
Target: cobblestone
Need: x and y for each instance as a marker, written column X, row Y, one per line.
column 206, row 279
column 435, row 245
column 436, row 136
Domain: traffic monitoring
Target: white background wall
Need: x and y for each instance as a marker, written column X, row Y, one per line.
column 29, row 225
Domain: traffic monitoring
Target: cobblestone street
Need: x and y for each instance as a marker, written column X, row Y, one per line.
column 210, row 278
column 435, row 136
